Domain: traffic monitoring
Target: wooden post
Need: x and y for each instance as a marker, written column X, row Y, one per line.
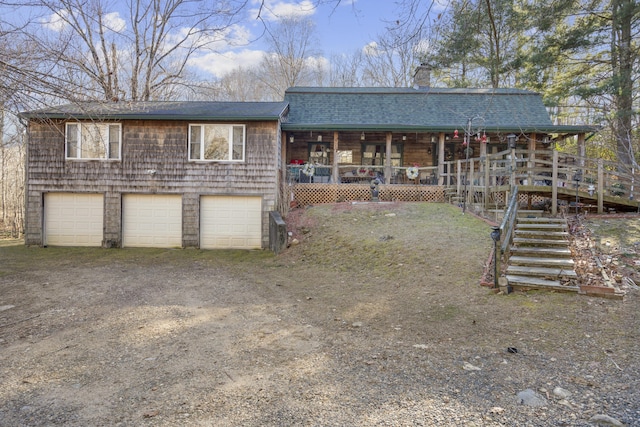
column 441, row 160
column 459, row 175
column 513, row 167
column 554, row 184
column 387, row 161
column 582, row 149
column 532, row 159
column 600, row 186
column 335, row 172
column 470, row 178
column 485, row 200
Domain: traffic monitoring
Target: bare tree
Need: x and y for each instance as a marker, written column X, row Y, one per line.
column 241, row 84
column 12, row 173
column 346, row 70
column 292, row 59
column 135, row 53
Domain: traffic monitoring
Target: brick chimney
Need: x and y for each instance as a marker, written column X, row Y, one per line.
column 422, row 76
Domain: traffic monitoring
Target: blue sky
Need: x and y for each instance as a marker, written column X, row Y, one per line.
column 345, row 28
column 342, row 27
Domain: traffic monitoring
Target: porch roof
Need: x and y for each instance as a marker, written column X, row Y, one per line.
column 418, row 109
column 164, row 110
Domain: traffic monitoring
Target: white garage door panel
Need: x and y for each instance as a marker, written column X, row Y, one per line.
column 72, row 219
column 230, row 222
column 153, row 221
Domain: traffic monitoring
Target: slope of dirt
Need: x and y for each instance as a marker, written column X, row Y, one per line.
column 375, row 317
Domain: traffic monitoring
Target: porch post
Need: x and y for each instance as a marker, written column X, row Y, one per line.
column 582, row 149
column 600, row 189
column 554, row 184
column 387, row 162
column 487, row 177
column 470, row 177
column 482, row 164
column 532, row 158
column 441, row 159
column 335, row 172
column 459, row 176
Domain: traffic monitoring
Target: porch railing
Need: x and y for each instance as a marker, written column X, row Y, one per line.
column 538, row 171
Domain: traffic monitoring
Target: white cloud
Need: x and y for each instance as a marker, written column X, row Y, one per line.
column 56, row 21
column 220, row 64
column 371, row 49
column 114, row 22
column 318, row 63
column 274, row 10
column 221, row 40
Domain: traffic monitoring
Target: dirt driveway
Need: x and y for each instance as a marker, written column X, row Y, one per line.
column 375, row 318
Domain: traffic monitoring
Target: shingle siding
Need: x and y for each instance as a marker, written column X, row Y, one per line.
column 149, row 145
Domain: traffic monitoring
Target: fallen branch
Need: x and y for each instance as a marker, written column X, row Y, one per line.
column 613, row 361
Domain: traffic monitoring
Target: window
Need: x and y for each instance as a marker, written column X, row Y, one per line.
column 345, row 156
column 93, row 141
column 319, row 153
column 217, row 142
column 374, row 154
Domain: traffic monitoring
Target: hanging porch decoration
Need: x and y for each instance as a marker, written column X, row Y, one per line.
column 362, row 171
column 413, row 172
column 308, row 169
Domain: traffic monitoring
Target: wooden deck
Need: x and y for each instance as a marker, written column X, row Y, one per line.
column 560, row 181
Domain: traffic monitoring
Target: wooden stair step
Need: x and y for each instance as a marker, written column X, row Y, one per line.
column 524, row 213
column 519, row 270
column 523, row 241
column 541, row 262
column 541, row 251
column 541, row 226
column 543, row 220
column 544, row 234
column 536, row 283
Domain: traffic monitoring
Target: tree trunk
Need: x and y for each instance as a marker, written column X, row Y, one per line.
column 622, row 62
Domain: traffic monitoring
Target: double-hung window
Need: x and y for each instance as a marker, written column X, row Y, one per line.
column 217, row 142
column 93, row 141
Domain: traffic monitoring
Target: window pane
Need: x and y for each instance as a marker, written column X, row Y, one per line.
column 194, row 140
column 72, row 140
column 114, row 141
column 92, row 144
column 345, row 156
column 238, row 143
column 216, row 144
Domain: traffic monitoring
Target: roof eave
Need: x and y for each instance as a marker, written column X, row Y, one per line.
column 422, row 128
column 168, row 117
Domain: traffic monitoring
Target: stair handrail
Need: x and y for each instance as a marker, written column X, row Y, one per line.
column 508, row 221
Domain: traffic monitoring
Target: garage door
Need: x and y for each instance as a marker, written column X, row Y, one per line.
column 230, row 222
column 72, row 219
column 152, row 221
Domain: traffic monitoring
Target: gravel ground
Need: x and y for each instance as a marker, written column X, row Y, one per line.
column 375, row 317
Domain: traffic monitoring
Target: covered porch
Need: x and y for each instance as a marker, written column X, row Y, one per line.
column 544, row 177
column 435, row 144
column 400, row 157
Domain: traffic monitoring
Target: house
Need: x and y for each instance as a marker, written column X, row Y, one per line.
column 343, row 128
column 207, row 174
column 153, row 174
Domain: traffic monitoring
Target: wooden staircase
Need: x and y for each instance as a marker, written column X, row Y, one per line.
column 540, row 256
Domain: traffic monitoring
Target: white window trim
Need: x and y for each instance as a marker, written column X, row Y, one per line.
column 230, row 126
column 79, row 139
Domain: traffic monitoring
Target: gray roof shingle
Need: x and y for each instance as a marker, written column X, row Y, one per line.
column 415, row 109
column 164, row 110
